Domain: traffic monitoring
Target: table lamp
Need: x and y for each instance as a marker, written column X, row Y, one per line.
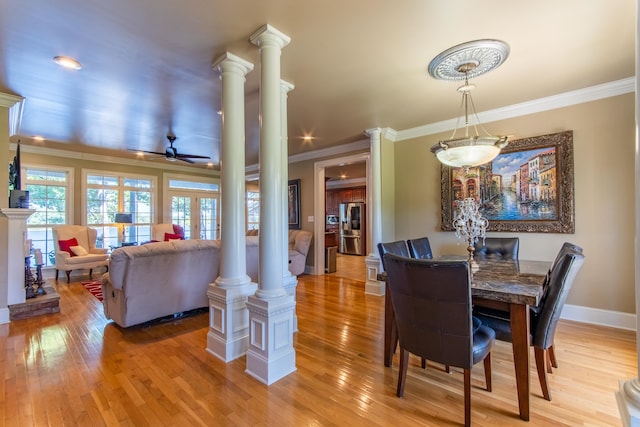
column 122, row 218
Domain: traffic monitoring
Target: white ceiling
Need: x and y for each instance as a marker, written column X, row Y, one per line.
column 355, row 64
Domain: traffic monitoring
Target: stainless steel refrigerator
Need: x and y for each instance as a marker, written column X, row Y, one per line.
column 352, row 228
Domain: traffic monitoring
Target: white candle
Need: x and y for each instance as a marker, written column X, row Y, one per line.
column 38, row 254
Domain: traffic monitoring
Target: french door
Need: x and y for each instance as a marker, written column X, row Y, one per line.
column 198, row 213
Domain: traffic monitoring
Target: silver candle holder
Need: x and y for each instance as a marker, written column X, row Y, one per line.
column 469, row 224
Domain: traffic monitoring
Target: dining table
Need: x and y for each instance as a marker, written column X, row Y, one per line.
column 508, row 285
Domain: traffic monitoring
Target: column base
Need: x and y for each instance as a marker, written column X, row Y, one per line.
column 373, row 286
column 228, row 336
column 628, row 398
column 290, row 283
column 270, row 355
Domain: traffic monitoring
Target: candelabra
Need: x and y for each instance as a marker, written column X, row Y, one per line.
column 470, row 225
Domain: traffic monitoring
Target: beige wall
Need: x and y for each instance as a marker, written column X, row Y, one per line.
column 603, row 138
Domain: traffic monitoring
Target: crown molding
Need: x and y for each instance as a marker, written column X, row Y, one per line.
column 345, row 183
column 580, row 96
column 55, row 152
column 7, row 100
column 316, row 154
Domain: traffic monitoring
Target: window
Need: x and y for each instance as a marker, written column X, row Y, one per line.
column 253, row 210
column 109, row 194
column 50, row 194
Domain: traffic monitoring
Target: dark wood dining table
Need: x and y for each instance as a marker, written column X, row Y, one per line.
column 507, row 285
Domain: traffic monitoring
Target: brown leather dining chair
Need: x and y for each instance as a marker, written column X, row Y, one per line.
column 432, row 302
column 497, row 247
column 544, row 319
column 420, row 248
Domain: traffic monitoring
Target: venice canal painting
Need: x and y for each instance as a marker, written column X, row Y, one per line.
column 516, row 186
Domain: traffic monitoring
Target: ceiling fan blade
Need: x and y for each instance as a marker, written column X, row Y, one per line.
column 185, row 160
column 191, row 156
column 144, row 151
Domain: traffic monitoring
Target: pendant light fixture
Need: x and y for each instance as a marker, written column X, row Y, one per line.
column 463, row 62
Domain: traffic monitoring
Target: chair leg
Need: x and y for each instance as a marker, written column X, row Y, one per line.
column 423, row 362
column 547, row 362
column 57, row 274
column 552, row 357
column 487, row 371
column 402, row 371
column 542, row 375
column 90, row 273
column 447, row 369
column 68, row 276
column 467, row 397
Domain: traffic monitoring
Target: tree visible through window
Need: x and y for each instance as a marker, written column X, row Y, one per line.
column 49, row 193
column 108, row 195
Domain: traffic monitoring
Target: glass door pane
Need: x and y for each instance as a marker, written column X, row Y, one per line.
column 209, row 226
column 181, row 213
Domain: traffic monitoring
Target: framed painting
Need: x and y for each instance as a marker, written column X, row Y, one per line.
column 527, row 188
column 294, row 204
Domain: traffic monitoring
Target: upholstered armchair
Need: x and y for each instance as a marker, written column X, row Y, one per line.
column 75, row 247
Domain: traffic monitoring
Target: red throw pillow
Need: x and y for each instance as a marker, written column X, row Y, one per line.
column 169, row 236
column 65, row 245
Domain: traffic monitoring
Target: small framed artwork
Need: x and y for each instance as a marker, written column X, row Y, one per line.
column 294, row 204
column 529, row 187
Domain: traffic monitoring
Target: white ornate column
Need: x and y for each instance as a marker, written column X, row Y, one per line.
column 270, row 355
column 16, row 238
column 374, row 265
column 228, row 336
column 10, row 109
column 628, row 397
column 289, row 281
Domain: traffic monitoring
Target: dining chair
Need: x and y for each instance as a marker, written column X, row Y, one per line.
column 497, row 247
column 399, row 247
column 544, row 321
column 420, row 248
column 432, row 302
column 566, row 247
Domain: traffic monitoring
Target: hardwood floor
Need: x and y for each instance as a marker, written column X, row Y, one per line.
column 76, row 368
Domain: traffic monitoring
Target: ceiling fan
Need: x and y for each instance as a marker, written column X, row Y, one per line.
column 171, row 153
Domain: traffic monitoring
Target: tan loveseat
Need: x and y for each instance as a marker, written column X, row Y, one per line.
column 299, row 244
column 159, row 279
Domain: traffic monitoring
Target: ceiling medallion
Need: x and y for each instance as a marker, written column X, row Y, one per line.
column 462, row 62
column 484, row 55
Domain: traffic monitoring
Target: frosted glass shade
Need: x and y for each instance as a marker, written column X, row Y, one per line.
column 468, row 152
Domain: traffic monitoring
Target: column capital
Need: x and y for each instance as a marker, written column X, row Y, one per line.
column 268, row 33
column 373, row 132
column 286, row 87
column 230, row 62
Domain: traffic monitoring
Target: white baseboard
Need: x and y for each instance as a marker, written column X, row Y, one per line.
column 614, row 319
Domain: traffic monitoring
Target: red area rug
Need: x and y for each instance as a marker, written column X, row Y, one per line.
column 94, row 287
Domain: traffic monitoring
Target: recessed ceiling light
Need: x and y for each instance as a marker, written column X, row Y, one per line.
column 67, row 62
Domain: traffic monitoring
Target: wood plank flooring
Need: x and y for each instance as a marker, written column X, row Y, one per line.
column 77, row 368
